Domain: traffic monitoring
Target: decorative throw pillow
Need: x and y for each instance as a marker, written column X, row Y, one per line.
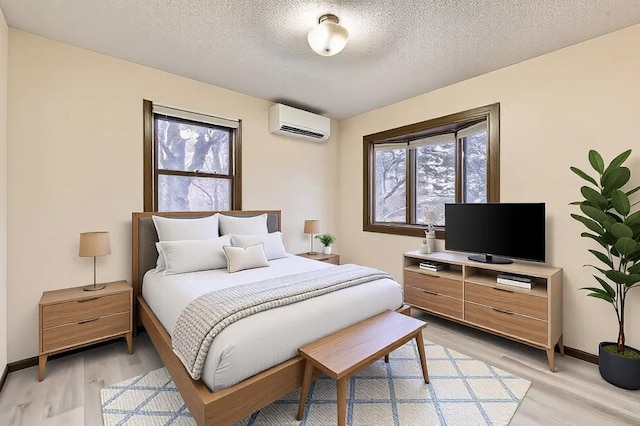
column 252, row 225
column 178, row 229
column 193, row 255
column 273, row 246
column 241, row 258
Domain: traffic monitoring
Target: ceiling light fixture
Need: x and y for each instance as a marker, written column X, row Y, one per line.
column 328, row 38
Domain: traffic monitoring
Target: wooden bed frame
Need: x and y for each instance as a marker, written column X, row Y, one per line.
column 230, row 405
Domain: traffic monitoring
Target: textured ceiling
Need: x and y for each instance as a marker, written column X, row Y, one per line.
column 397, row 48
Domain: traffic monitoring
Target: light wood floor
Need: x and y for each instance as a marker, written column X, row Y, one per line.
column 574, row 395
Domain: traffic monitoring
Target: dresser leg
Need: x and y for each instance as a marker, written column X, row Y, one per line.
column 42, row 362
column 561, row 344
column 551, row 357
column 129, row 337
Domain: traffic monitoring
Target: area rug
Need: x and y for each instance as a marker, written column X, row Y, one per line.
column 462, row 391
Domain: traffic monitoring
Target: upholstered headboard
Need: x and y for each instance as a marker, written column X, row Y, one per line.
column 144, row 253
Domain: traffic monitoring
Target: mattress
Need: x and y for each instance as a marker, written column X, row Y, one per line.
column 263, row 340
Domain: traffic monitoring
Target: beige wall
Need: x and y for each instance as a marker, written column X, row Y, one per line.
column 554, row 108
column 4, row 58
column 75, row 149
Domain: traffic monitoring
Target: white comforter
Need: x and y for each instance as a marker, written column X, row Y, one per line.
column 268, row 338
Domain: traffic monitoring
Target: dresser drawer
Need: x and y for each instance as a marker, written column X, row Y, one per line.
column 506, row 322
column 433, row 302
column 84, row 331
column 512, row 301
column 433, row 283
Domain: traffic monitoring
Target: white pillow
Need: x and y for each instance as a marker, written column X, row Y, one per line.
column 179, row 229
column 241, row 258
column 193, row 255
column 273, row 246
column 252, row 225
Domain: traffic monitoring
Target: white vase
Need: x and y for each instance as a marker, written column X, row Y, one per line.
column 429, row 245
column 326, row 249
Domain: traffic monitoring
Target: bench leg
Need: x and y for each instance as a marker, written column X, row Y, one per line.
column 386, row 358
column 423, row 358
column 306, row 382
column 342, row 401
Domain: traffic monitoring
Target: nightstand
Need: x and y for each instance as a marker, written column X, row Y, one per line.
column 328, row 258
column 71, row 318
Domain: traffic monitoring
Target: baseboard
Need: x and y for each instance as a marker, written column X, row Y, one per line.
column 22, row 364
column 4, row 376
column 33, row 361
column 585, row 356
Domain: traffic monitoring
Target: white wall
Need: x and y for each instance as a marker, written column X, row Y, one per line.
column 75, row 149
column 4, row 58
column 553, row 109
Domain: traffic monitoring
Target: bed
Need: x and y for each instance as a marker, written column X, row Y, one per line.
column 242, row 382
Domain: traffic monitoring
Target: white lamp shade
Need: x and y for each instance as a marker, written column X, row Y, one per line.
column 328, row 38
column 94, row 244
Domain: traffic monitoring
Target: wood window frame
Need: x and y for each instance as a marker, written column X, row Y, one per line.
column 150, row 178
column 422, row 129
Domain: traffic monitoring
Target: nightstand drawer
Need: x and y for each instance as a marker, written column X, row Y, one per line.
column 85, row 331
column 79, row 310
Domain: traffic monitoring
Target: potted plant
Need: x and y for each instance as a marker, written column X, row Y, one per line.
column 613, row 223
column 326, row 240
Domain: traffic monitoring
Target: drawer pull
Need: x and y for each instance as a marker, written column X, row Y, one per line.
column 433, row 293
column 89, row 320
column 502, row 312
column 502, row 289
column 88, row 300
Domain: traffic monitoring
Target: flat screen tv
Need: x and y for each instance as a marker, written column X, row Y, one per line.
column 496, row 232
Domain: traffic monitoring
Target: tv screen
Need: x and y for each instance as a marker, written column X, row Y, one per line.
column 512, row 230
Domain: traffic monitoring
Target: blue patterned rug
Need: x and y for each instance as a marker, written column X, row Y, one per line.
column 463, row 391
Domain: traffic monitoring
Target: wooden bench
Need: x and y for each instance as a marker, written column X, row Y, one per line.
column 350, row 350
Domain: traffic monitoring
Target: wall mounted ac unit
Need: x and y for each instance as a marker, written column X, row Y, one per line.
column 285, row 120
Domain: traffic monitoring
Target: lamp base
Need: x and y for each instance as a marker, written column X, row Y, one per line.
column 312, row 252
column 94, row 287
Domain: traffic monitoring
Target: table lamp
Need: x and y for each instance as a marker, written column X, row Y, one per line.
column 311, row 227
column 94, row 244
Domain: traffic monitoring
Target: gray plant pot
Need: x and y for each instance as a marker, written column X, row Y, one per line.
column 621, row 372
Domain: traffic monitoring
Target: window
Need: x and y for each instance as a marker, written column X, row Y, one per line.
column 191, row 161
column 411, row 172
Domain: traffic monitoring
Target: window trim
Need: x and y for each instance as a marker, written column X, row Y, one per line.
column 150, row 176
column 409, row 132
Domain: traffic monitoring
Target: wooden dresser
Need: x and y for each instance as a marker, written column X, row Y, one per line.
column 71, row 318
column 467, row 292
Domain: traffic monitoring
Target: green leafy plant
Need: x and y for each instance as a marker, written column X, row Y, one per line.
column 608, row 215
column 326, row 239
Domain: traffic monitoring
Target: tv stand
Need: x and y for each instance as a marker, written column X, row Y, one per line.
column 467, row 292
column 487, row 258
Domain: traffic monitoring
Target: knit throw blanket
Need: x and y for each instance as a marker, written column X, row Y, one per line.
column 205, row 317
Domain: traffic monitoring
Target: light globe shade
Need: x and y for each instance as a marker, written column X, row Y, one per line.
column 94, row 244
column 311, row 226
column 328, row 38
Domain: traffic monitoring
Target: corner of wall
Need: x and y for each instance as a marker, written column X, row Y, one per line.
column 4, row 59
